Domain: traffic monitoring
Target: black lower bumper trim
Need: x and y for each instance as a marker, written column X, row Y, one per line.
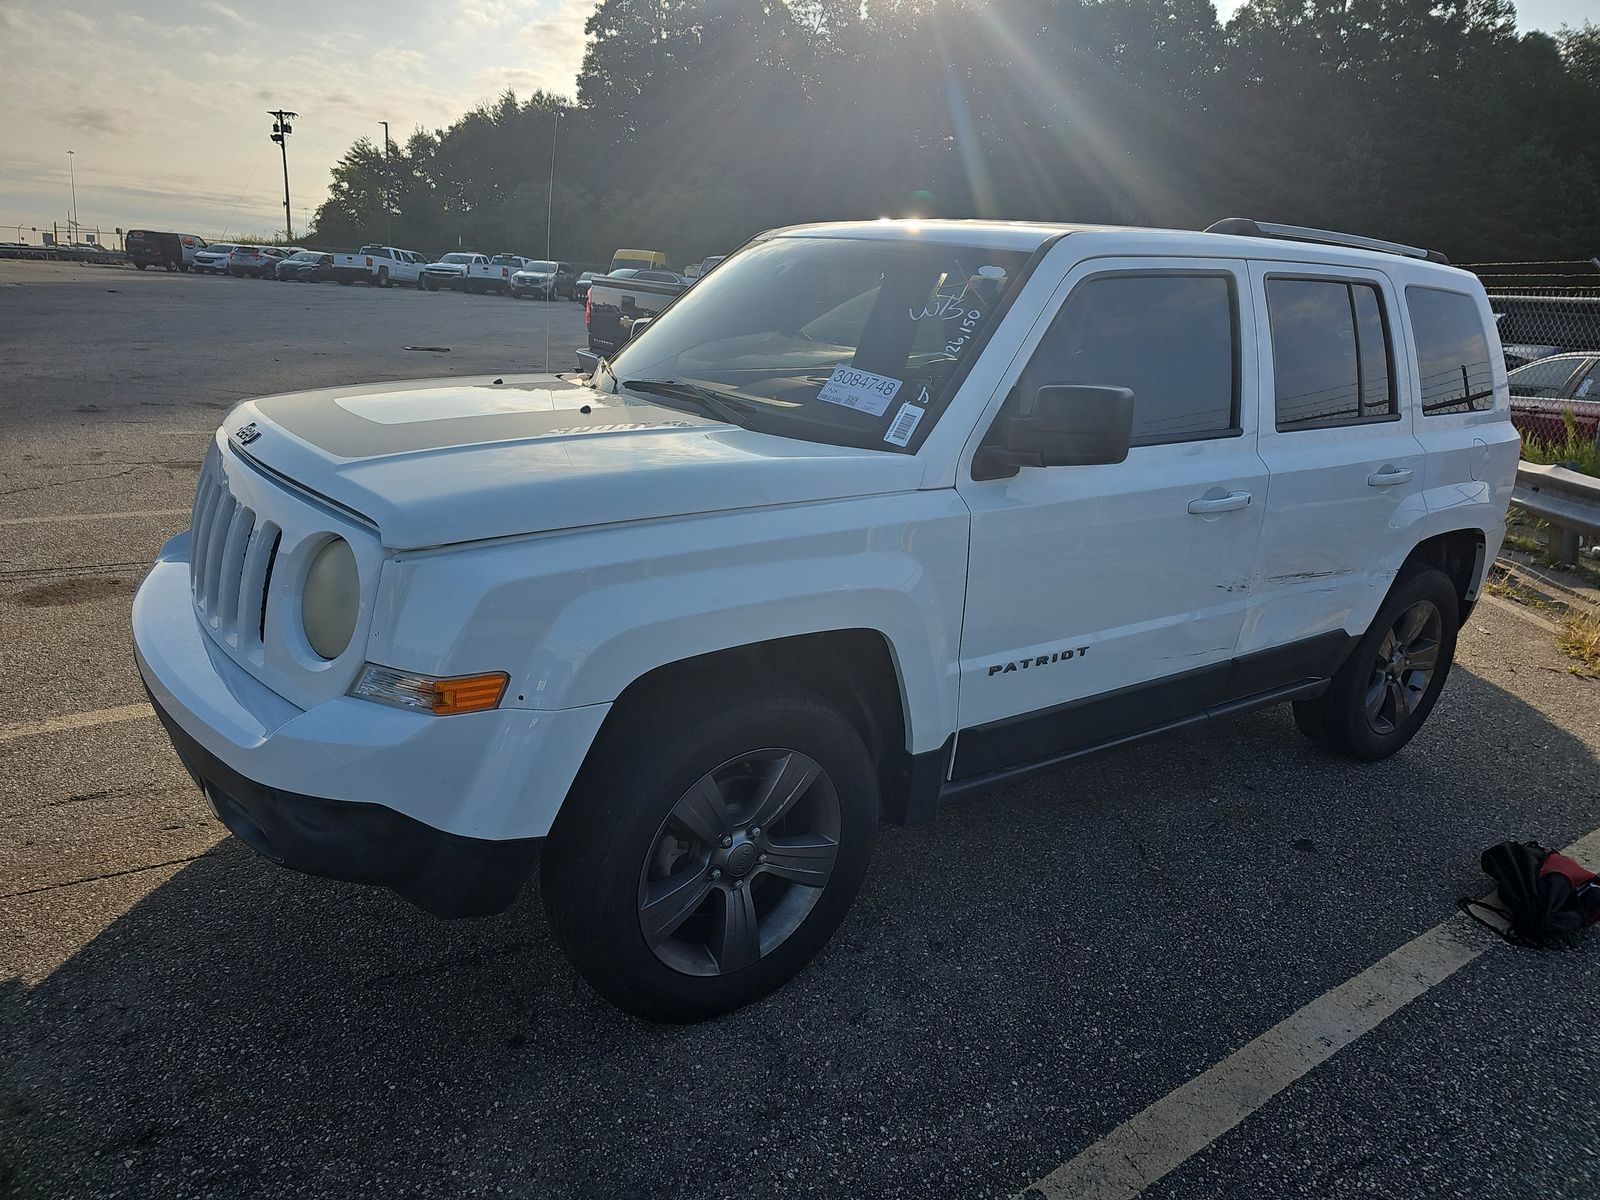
column 444, row 873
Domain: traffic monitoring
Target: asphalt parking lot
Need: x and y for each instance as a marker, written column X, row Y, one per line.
column 1042, row 965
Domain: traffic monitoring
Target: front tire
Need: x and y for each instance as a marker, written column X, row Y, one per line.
column 712, row 845
column 1392, row 679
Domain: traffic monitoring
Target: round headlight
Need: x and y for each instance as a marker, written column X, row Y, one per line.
column 332, row 599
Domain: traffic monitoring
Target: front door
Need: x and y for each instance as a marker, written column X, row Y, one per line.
column 1122, row 584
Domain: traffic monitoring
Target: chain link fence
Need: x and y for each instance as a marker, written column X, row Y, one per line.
column 1548, row 314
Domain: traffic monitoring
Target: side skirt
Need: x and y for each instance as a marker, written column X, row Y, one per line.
column 1003, row 751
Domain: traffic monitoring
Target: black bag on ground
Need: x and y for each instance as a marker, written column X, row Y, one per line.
column 1548, row 898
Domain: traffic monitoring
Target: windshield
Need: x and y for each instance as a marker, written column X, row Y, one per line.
column 537, row 267
column 853, row 342
column 457, row 258
column 306, row 255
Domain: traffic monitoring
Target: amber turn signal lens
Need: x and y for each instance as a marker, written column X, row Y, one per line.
column 469, row 693
column 424, row 693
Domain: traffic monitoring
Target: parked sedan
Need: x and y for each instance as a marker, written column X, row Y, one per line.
column 580, row 289
column 260, row 261
column 213, row 260
column 546, row 280
column 305, row 266
column 1543, row 392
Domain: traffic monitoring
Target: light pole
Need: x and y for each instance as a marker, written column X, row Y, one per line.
column 388, row 225
column 281, row 129
column 550, row 197
column 72, row 174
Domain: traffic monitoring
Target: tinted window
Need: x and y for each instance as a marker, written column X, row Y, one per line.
column 1546, row 378
column 1331, row 362
column 1171, row 338
column 1589, row 386
column 1452, row 352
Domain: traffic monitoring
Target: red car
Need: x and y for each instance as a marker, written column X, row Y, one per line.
column 1544, row 390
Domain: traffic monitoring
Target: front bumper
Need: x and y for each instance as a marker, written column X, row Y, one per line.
column 446, row 875
column 447, row 811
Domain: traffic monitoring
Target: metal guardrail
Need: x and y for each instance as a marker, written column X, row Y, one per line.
column 1568, row 501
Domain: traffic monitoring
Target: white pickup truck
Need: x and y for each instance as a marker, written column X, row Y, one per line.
column 379, row 266
column 877, row 514
column 466, row 272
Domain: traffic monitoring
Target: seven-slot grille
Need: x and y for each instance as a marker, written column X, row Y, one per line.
column 231, row 561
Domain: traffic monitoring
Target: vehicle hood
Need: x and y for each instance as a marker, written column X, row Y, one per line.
column 441, row 461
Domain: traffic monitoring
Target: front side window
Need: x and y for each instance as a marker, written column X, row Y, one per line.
column 1172, row 338
column 1331, row 355
column 1452, row 352
column 850, row 341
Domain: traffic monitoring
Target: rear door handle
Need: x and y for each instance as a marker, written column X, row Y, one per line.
column 1216, row 504
column 1389, row 476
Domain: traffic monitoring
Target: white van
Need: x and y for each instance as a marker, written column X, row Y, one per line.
column 876, row 514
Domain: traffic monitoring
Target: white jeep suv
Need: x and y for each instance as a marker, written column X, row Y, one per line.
column 875, row 514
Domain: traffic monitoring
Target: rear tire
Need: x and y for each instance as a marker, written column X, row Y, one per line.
column 670, row 804
column 1392, row 679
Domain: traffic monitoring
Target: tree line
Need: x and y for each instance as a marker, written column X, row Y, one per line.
column 700, row 122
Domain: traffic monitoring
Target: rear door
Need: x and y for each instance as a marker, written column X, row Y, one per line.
column 1336, row 435
column 403, row 269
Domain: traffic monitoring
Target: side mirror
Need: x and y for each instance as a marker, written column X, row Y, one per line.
column 1064, row 425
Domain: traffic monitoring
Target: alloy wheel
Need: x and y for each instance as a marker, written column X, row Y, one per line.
column 1407, row 657
column 739, row 862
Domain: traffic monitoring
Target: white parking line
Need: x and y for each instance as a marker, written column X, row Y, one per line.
column 1184, row 1122
column 82, row 720
column 103, row 516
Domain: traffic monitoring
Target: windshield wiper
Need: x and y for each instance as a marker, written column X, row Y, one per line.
column 720, row 407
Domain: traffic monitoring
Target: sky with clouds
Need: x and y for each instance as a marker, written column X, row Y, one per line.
column 164, row 102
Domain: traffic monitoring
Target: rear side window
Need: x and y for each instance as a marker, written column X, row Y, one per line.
column 1546, row 379
column 1452, row 352
column 1331, row 357
column 1172, row 338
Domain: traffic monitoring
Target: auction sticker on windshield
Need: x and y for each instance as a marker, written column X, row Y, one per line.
column 860, row 390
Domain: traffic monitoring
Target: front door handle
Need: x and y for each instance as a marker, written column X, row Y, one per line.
column 1216, row 504
column 1389, row 476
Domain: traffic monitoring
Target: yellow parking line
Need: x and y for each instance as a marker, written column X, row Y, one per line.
column 82, row 720
column 1184, row 1122
column 102, row 516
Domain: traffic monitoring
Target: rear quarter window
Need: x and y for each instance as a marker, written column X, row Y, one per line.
column 1452, row 352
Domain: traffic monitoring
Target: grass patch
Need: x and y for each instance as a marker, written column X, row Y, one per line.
column 1580, row 638
column 1571, row 447
column 1509, row 588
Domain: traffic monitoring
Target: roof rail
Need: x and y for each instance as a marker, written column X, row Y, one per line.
column 1245, row 227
